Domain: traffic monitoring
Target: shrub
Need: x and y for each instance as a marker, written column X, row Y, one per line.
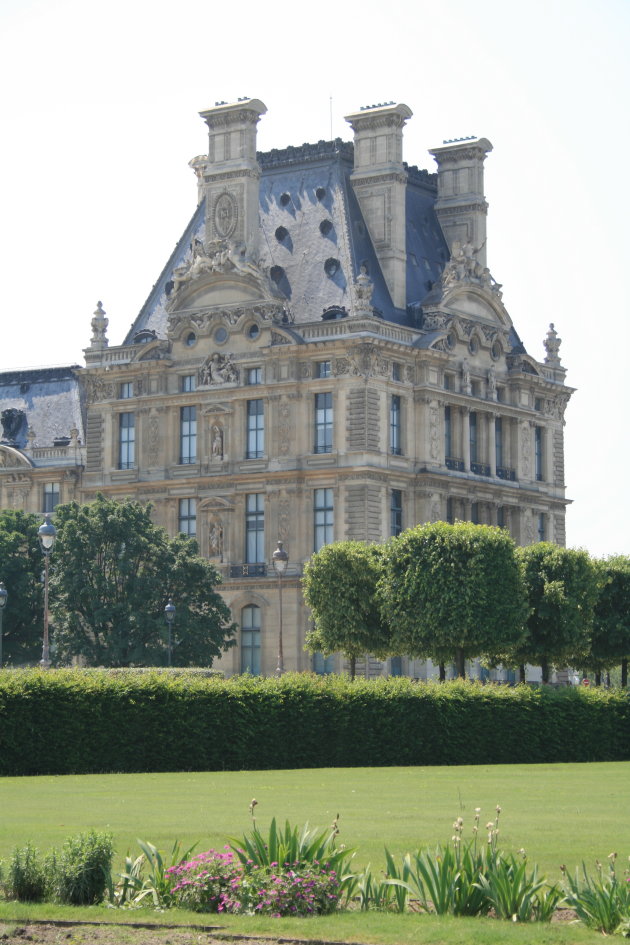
column 27, row 875
column 97, row 722
column 207, row 882
column 83, row 869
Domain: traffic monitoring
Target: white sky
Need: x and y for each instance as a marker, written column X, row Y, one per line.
column 99, row 119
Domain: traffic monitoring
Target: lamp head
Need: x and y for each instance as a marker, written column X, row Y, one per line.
column 280, row 559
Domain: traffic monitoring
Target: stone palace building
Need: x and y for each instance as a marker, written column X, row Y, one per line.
column 326, row 355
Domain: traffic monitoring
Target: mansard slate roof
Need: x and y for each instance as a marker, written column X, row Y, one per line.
column 313, row 237
column 50, row 400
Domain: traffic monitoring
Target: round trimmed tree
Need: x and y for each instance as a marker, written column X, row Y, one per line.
column 453, row 592
column 340, row 588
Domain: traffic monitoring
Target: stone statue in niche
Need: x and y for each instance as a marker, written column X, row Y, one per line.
column 12, row 420
column 217, row 441
column 466, row 388
column 492, row 383
column 218, row 369
column 215, row 539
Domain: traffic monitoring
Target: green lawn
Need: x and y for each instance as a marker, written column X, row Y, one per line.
column 559, row 813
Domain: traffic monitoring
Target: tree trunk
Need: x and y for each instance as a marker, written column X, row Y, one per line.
column 598, row 678
column 544, row 665
column 353, row 666
column 607, row 680
column 624, row 673
column 442, row 668
column 460, row 663
column 521, row 673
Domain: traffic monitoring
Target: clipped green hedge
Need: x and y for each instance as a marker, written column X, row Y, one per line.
column 75, row 721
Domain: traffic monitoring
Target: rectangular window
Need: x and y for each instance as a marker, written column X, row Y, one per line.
column 51, row 496
column 474, row 513
column 254, row 375
column 255, row 528
column 501, row 517
column 538, row 452
column 448, row 382
column 395, row 512
column 396, row 371
column 126, row 440
column 323, row 369
column 448, row 433
column 501, row 394
column 188, row 383
column 323, row 517
column 188, row 435
column 542, row 531
column 395, row 443
column 126, row 390
column 250, row 640
column 498, row 439
column 323, row 423
column 188, row 517
column 473, row 438
column 450, row 511
column 255, row 429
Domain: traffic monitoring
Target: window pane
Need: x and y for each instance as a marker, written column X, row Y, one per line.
column 126, row 390
column 396, row 512
column 255, row 528
column 189, row 383
column 255, row 429
column 51, row 496
column 250, row 640
column 323, row 516
column 473, row 437
column 188, row 436
column 127, row 441
column 394, row 426
column 188, row 516
column 254, row 375
column 323, row 423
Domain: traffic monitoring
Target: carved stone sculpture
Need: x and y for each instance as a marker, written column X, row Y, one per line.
column 215, row 539
column 217, row 441
column 363, row 288
column 12, row 420
column 217, row 369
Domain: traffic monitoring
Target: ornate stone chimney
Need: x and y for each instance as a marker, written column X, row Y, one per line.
column 379, row 179
column 461, row 205
column 228, row 179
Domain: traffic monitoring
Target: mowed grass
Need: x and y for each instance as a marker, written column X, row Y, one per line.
column 559, row 813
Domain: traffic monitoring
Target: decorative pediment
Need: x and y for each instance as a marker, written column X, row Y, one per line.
column 219, row 272
column 216, row 504
column 11, row 458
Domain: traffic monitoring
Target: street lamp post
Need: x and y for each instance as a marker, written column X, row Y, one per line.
column 280, row 561
column 3, row 603
column 47, row 535
column 169, row 616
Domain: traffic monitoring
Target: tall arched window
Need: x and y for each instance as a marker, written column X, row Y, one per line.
column 250, row 640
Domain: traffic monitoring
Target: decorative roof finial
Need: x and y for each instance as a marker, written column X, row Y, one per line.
column 552, row 346
column 99, row 328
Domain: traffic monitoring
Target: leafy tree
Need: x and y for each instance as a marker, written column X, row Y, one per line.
column 562, row 588
column 610, row 640
column 453, row 591
column 114, row 571
column 21, row 566
column 340, row 583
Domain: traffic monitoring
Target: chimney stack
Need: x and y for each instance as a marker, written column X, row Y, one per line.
column 229, row 179
column 379, row 180
column 461, row 205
